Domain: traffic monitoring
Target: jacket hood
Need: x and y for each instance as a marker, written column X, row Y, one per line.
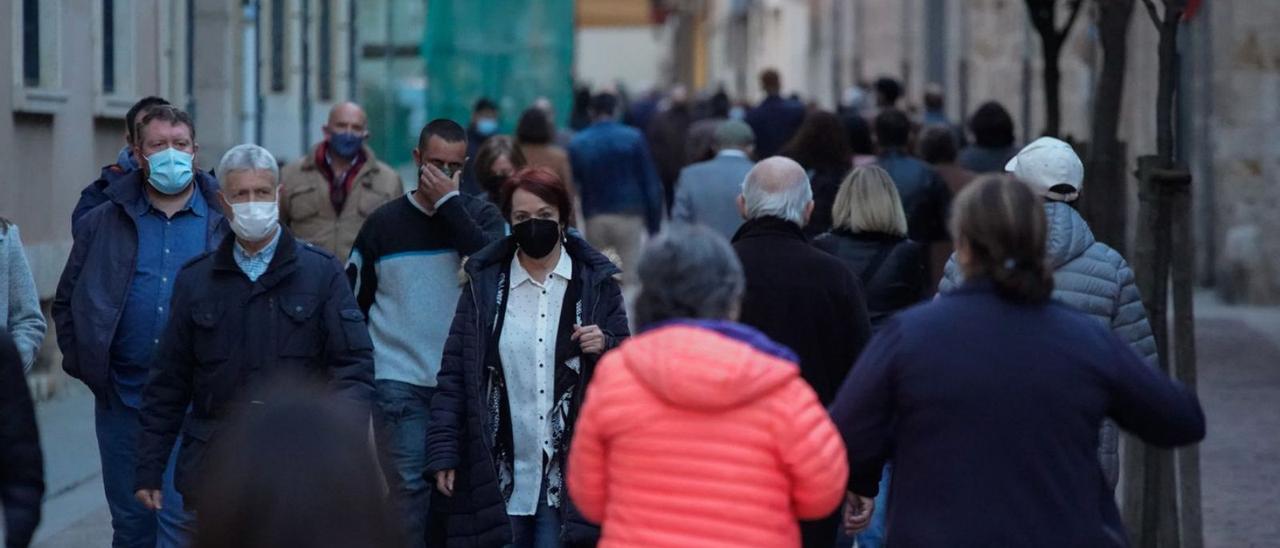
column 1069, row 234
column 708, row 365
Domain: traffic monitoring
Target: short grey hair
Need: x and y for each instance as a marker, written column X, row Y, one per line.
column 687, row 271
column 777, row 187
column 249, row 157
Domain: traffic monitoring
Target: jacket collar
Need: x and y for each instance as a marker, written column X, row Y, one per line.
column 499, row 253
column 128, row 193
column 733, row 330
column 867, row 236
column 770, row 226
column 309, row 161
column 282, row 264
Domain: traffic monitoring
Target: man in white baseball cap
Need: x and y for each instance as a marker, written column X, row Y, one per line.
column 1051, row 168
column 1088, row 275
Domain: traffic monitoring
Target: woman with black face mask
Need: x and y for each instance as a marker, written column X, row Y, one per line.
column 537, row 310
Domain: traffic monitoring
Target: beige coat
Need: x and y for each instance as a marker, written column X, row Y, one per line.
column 551, row 157
column 305, row 207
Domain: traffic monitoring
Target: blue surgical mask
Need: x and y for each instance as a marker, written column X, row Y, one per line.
column 486, row 126
column 345, row 145
column 170, row 171
column 737, row 113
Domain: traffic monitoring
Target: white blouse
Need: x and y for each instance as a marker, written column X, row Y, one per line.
column 527, row 347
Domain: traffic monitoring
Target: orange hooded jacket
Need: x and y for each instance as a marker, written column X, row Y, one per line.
column 697, row 436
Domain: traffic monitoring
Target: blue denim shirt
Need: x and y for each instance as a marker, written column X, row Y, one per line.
column 164, row 245
column 615, row 173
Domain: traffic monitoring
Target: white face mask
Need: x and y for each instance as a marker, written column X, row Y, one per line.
column 254, row 220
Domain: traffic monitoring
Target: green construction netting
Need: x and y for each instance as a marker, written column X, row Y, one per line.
column 512, row 51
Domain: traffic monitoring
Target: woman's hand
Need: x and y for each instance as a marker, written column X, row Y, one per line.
column 444, row 482
column 589, row 337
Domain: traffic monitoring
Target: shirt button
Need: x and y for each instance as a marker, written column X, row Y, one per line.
column 166, row 250
column 539, row 365
column 160, row 308
column 164, row 279
column 297, row 309
column 539, row 340
column 156, row 341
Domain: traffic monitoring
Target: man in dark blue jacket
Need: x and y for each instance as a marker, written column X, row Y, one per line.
column 96, row 192
column 775, row 120
column 621, row 192
column 260, row 308
column 112, row 302
column 925, row 196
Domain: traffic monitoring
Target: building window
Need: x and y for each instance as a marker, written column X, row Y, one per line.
column 108, row 47
column 324, row 52
column 278, row 45
column 37, row 39
column 31, row 43
column 34, row 30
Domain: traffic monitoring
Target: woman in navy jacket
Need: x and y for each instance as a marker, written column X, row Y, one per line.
column 989, row 399
column 490, row 386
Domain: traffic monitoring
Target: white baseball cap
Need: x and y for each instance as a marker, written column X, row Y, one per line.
column 1047, row 163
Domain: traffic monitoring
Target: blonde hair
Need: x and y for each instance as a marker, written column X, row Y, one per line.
column 868, row 201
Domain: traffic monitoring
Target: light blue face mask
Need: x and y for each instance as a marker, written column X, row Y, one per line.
column 170, row 171
column 486, row 126
column 737, row 113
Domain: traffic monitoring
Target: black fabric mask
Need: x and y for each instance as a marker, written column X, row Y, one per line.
column 537, row 237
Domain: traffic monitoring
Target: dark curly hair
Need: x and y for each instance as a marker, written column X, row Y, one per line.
column 820, row 143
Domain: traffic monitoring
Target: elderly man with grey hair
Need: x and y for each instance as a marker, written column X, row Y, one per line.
column 260, row 308
column 797, row 294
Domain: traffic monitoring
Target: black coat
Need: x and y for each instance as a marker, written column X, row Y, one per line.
column 891, row 268
column 228, row 337
column 803, row 298
column 456, row 439
column 825, row 182
column 21, row 463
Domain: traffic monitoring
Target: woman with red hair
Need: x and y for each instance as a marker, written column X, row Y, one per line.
column 537, row 310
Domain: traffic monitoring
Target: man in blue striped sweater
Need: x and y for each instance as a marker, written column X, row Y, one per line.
column 404, row 271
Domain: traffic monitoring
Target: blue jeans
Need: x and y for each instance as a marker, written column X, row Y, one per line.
column 541, row 530
column 873, row 537
column 403, row 416
column 133, row 526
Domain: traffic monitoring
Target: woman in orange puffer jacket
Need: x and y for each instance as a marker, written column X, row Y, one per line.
column 700, row 431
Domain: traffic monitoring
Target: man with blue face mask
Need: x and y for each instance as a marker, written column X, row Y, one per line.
column 112, row 304
column 329, row 193
column 484, row 124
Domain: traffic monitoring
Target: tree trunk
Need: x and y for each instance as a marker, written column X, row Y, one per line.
column 1052, row 48
column 1105, row 203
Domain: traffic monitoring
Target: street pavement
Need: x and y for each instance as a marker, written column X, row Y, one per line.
column 1239, row 350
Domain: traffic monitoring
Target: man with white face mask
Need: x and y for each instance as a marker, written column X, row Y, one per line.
column 112, row 303
column 260, row 308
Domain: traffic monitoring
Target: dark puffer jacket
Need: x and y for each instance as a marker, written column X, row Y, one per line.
column 891, row 268
column 21, row 464
column 460, row 418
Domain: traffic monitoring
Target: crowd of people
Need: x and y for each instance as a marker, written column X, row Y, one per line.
column 676, row 322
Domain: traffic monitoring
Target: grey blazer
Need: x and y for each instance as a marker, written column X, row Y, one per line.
column 18, row 298
column 707, row 193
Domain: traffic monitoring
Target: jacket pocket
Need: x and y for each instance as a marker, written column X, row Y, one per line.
column 355, row 330
column 299, row 332
column 369, row 200
column 206, row 337
column 196, row 433
column 304, row 203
